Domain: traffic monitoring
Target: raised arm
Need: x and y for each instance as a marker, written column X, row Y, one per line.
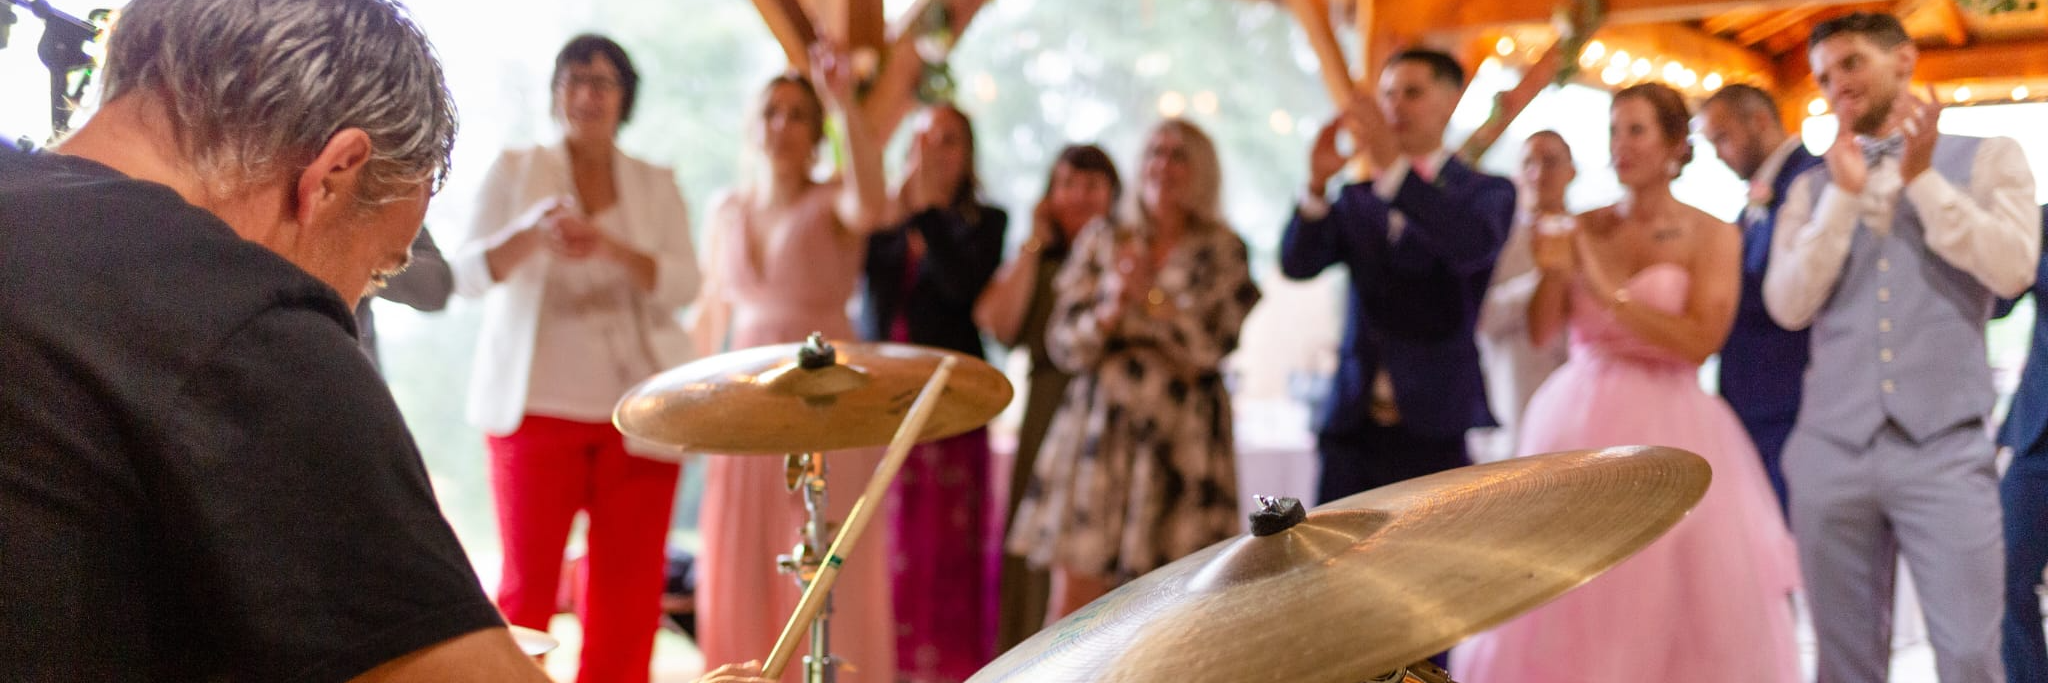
column 1993, row 230
column 863, row 204
column 1003, row 304
column 1088, row 310
column 1197, row 327
column 1699, row 330
column 1811, row 243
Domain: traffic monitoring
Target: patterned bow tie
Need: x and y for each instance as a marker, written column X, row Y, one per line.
column 1874, row 151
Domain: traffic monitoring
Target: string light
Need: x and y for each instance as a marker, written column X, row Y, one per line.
column 1963, row 94
column 2020, row 93
column 1641, row 68
column 1817, row 107
column 1172, row 104
column 1505, row 46
column 1711, row 82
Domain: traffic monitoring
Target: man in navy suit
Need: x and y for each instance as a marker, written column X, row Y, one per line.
column 1419, row 241
column 1762, row 364
column 2024, row 493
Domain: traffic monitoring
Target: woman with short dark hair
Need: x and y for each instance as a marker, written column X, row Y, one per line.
column 582, row 257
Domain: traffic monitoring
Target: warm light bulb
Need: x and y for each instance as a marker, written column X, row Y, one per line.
column 1817, row 107
column 1711, row 82
column 2020, row 93
column 1963, row 94
column 1172, row 104
column 1505, row 46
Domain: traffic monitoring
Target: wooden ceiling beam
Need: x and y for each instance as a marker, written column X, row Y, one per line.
column 1759, row 31
column 1314, row 17
column 1727, row 22
column 793, row 29
column 1998, row 60
column 1416, row 18
column 894, row 94
column 1934, row 20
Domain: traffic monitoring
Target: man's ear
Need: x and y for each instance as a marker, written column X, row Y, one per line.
column 1909, row 55
column 334, row 179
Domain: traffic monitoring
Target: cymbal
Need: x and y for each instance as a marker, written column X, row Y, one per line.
column 764, row 401
column 1371, row 583
column 533, row 643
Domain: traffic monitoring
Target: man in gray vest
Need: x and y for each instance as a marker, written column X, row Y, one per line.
column 1893, row 252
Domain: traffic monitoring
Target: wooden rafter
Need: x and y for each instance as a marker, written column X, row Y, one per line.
column 1512, row 102
column 1727, row 22
column 792, row 27
column 894, row 94
column 1773, row 25
column 1936, row 19
column 1416, row 18
column 1314, row 17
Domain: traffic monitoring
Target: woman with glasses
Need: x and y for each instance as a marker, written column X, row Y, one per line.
column 582, row 257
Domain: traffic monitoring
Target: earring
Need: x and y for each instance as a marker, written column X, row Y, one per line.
column 1673, row 169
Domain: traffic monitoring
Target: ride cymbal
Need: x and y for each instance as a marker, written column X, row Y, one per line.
column 777, row 400
column 1371, row 583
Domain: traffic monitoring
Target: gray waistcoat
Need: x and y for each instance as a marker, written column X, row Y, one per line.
column 1901, row 338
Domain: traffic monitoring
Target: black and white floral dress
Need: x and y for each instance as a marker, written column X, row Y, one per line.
column 1138, row 467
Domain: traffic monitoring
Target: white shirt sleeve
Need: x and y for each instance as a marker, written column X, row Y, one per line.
column 1991, row 232
column 1808, row 249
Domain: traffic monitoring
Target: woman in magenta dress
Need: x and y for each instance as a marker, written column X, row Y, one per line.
column 923, row 275
column 1647, row 289
column 783, row 260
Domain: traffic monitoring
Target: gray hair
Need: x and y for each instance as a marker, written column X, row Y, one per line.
column 258, row 87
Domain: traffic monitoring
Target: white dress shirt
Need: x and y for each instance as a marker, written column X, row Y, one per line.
column 1512, row 366
column 1990, row 230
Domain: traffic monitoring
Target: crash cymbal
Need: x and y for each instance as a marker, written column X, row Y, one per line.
column 1371, row 583
column 768, row 401
column 533, row 643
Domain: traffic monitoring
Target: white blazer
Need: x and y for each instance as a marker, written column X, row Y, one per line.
column 655, row 222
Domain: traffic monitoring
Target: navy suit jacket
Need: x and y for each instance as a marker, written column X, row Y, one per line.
column 2028, row 417
column 960, row 256
column 1763, row 365
column 1413, row 301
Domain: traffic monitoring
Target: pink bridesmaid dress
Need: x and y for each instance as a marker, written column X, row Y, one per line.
column 801, row 284
column 1709, row 602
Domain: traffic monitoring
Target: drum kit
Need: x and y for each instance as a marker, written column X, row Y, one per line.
column 1361, row 589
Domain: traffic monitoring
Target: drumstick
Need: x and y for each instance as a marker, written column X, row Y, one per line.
column 857, row 521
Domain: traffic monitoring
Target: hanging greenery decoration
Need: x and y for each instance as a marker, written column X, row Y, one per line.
column 1576, row 21
column 934, row 44
column 1992, row 8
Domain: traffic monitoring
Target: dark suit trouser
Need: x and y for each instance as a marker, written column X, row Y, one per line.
column 1769, row 435
column 2024, row 492
column 1380, row 455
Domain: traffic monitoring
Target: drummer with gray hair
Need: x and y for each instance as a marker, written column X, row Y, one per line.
column 205, row 479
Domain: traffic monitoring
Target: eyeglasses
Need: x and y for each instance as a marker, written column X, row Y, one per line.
column 602, row 84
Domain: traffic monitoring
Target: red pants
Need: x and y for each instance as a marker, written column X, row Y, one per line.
column 542, row 475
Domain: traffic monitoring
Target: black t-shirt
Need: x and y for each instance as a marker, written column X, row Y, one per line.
column 201, row 477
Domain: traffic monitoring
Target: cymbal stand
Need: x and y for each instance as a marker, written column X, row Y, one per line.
column 805, row 474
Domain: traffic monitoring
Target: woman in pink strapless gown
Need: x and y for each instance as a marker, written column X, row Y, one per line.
column 783, row 262
column 1710, row 601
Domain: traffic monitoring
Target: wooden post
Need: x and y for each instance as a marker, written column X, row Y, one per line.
column 1511, row 103
column 1314, row 17
column 792, row 28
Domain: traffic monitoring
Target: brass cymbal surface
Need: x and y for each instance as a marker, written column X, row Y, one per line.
column 1373, row 582
column 762, row 401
